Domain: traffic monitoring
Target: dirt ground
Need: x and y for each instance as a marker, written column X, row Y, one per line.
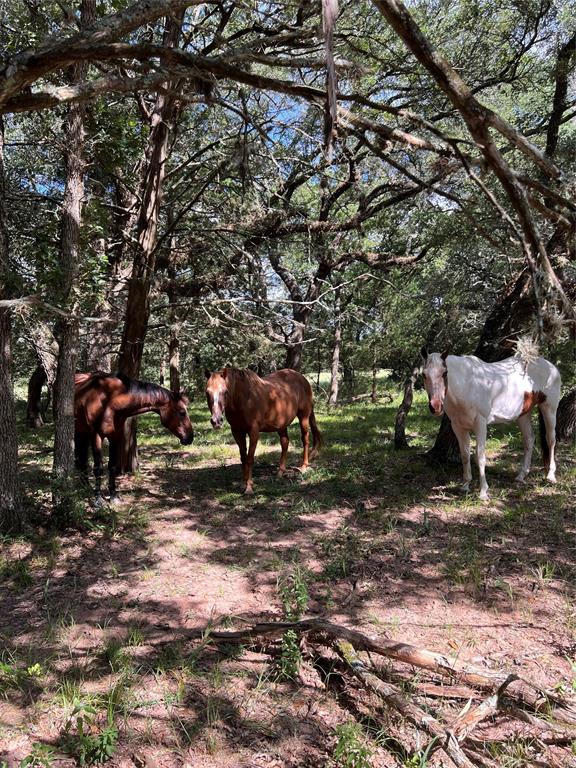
column 115, row 618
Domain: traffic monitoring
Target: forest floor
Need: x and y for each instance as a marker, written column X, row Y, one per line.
column 105, row 629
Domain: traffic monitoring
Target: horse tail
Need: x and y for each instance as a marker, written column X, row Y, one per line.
column 543, row 439
column 317, row 439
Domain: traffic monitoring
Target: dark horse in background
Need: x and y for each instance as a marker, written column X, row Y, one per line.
column 103, row 402
column 270, row 404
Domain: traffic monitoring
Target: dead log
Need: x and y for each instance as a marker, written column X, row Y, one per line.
column 520, row 691
column 393, row 698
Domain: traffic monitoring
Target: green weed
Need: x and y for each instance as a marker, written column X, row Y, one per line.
column 351, row 749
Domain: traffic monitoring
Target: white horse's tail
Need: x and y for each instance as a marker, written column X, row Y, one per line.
column 543, row 439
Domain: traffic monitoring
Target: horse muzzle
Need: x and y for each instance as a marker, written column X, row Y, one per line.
column 187, row 440
column 436, row 407
column 216, row 423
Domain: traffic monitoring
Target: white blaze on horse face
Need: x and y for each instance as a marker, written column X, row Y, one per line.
column 216, row 391
column 435, row 382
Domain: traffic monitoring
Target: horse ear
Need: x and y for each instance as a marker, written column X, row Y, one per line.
column 207, row 373
column 224, row 372
column 444, row 355
column 424, row 352
column 181, row 395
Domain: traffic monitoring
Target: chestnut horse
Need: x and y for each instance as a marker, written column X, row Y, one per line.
column 252, row 405
column 103, row 402
column 474, row 394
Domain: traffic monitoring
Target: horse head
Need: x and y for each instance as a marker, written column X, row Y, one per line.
column 216, row 390
column 174, row 416
column 435, row 379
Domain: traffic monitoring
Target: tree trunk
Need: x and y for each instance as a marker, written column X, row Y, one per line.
column 34, row 418
column 566, row 417
column 140, row 286
column 11, row 510
column 400, row 441
column 45, row 346
column 335, row 369
column 174, row 357
column 296, row 340
column 69, row 259
column 99, row 347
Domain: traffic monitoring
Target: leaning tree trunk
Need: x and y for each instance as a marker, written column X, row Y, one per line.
column 138, row 305
column 11, row 510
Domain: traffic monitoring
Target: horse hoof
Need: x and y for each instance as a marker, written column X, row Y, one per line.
column 248, row 491
column 484, row 496
column 98, row 502
column 115, row 501
column 464, row 489
column 280, row 473
column 521, row 479
column 551, row 479
column 304, row 469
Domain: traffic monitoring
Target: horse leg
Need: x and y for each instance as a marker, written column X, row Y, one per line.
column 97, row 455
column 463, row 437
column 284, row 445
column 305, row 432
column 481, row 432
column 240, row 438
column 113, row 459
column 249, row 489
column 548, row 417
column 525, row 424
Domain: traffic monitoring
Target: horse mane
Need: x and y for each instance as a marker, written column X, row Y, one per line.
column 145, row 390
column 241, row 377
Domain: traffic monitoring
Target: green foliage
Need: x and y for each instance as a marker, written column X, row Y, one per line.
column 352, row 750
column 88, row 743
column 41, row 756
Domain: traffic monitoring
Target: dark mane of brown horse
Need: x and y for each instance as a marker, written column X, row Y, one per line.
column 141, row 392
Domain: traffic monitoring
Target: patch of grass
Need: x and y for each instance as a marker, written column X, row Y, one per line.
column 344, row 550
column 115, row 656
column 18, row 571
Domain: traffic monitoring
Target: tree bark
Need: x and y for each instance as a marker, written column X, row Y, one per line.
column 69, row 259
column 162, row 119
column 11, row 510
column 337, row 341
column 566, row 417
column 34, row 417
column 400, row 441
column 174, row 357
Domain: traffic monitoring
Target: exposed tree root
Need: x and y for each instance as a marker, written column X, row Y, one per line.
column 544, row 718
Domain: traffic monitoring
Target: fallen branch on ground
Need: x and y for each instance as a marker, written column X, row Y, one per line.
column 544, row 716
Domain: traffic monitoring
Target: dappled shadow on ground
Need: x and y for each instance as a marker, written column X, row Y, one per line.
column 379, row 539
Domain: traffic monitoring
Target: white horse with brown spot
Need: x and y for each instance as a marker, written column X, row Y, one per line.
column 474, row 394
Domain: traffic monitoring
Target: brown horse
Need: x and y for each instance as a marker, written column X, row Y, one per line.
column 252, row 405
column 103, row 402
